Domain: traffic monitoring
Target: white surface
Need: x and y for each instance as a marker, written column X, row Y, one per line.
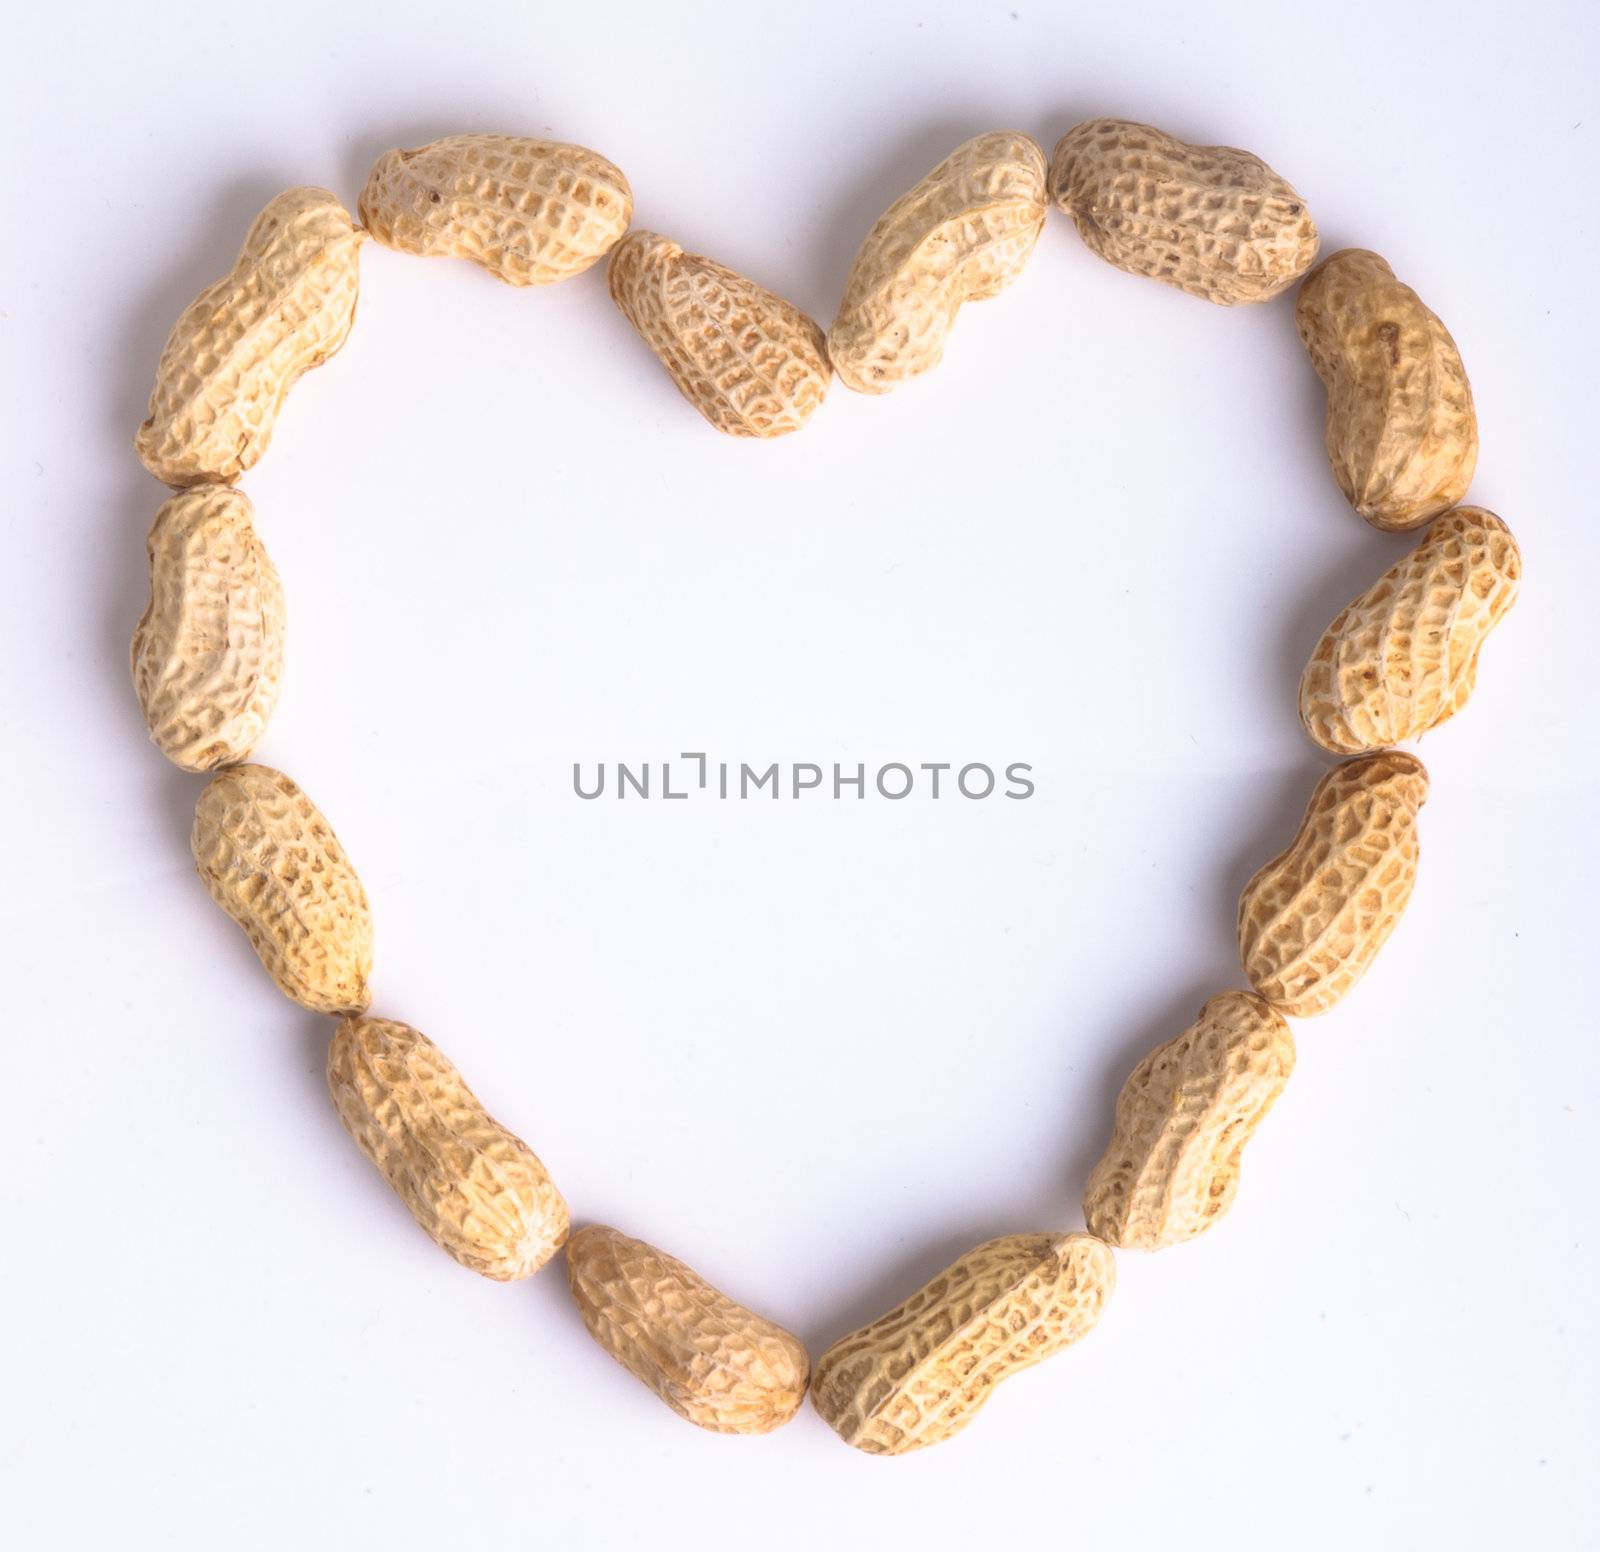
column 815, row 1048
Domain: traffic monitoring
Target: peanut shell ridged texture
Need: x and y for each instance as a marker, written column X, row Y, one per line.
column 273, row 863
column 207, row 655
column 285, row 307
column 1183, row 1118
column 1401, row 432
column 961, row 235
column 922, row 1372
column 1313, row 919
column 480, row 1193
column 712, row 1361
column 753, row 364
column 531, row 212
column 1215, row 222
column 1403, row 657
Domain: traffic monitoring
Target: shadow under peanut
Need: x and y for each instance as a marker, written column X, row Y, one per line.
column 899, row 1279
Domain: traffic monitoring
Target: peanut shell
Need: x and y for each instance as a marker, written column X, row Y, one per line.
column 207, row 656
column 285, row 307
column 480, row 1193
column 1313, row 919
column 1183, row 1118
column 531, row 212
column 1213, row 221
column 1401, row 433
column 712, row 1361
column 273, row 863
column 1403, row 657
column 961, row 235
column 753, row 364
column 922, row 1372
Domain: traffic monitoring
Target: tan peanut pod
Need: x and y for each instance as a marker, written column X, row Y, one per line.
column 529, row 211
column 273, row 863
column 961, row 235
column 1183, row 1118
column 922, row 1372
column 1211, row 220
column 207, row 655
column 1403, row 657
column 285, row 307
column 1402, row 435
column 753, row 364
column 712, row 1361
column 480, row 1193
column 1313, row 919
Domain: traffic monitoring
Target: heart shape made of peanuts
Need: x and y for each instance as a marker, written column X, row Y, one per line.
column 1402, row 658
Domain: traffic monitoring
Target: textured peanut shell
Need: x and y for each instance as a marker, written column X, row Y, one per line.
column 712, row 1361
column 961, row 235
column 1183, row 1118
column 1313, row 919
column 207, row 655
column 1401, row 432
column 285, row 307
column 753, row 364
column 273, row 863
column 1211, row 220
column 480, row 1193
column 923, row 1371
column 1403, row 657
column 529, row 211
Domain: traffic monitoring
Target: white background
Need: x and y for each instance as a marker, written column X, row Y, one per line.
column 819, row 1048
